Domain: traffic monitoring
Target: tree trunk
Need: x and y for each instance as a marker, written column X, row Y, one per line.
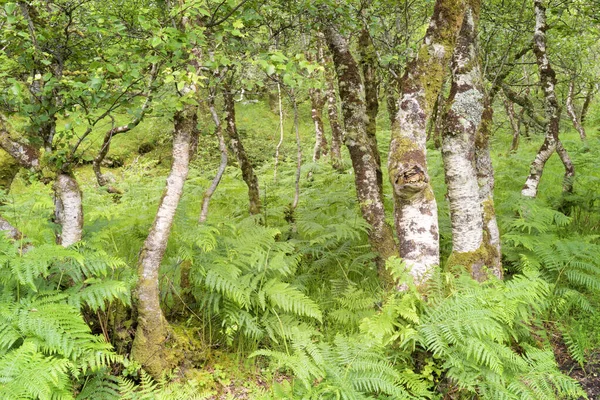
column 278, row 147
column 223, row 149
column 588, row 100
column 317, row 102
column 14, row 235
column 548, row 81
column 361, row 153
column 514, row 124
column 462, row 122
column 150, row 346
column 573, row 114
column 337, row 133
column 485, row 178
column 392, row 88
column 368, row 63
column 68, row 209
column 298, row 155
column 240, row 153
column 436, row 124
column 569, row 167
column 415, row 205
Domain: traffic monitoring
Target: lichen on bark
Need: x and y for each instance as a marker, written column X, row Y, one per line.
column 415, row 207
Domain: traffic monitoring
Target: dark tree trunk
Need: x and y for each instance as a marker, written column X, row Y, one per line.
column 572, row 114
column 368, row 63
column 391, row 99
column 278, row 147
column 548, row 82
column 358, row 143
column 588, row 100
column 415, row 205
column 240, row 153
column 485, row 178
column 153, row 337
column 514, row 124
column 223, row 164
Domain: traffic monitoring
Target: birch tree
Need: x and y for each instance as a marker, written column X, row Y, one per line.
column 415, row 208
column 548, row 81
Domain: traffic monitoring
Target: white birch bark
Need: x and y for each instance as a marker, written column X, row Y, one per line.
column 68, row 209
column 548, row 81
column 415, row 206
column 458, row 143
column 153, row 330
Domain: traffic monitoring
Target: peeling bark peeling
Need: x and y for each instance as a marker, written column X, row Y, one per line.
column 240, row 153
column 548, row 81
column 415, row 205
column 223, row 149
column 68, row 210
column 462, row 121
column 337, row 133
column 363, row 160
column 153, row 331
column 573, row 114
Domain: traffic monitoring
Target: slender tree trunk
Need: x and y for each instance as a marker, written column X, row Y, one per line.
column 223, row 149
column 415, row 205
column 361, row 153
column 278, row 148
column 240, row 153
column 68, row 209
column 368, row 62
column 548, row 81
column 569, row 167
column 573, row 114
column 317, row 101
column 391, row 89
column 298, row 155
column 514, row 123
column 588, row 100
column 462, row 122
column 337, row 133
column 153, row 334
column 485, row 178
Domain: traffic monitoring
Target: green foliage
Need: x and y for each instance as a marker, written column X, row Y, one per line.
column 46, row 346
